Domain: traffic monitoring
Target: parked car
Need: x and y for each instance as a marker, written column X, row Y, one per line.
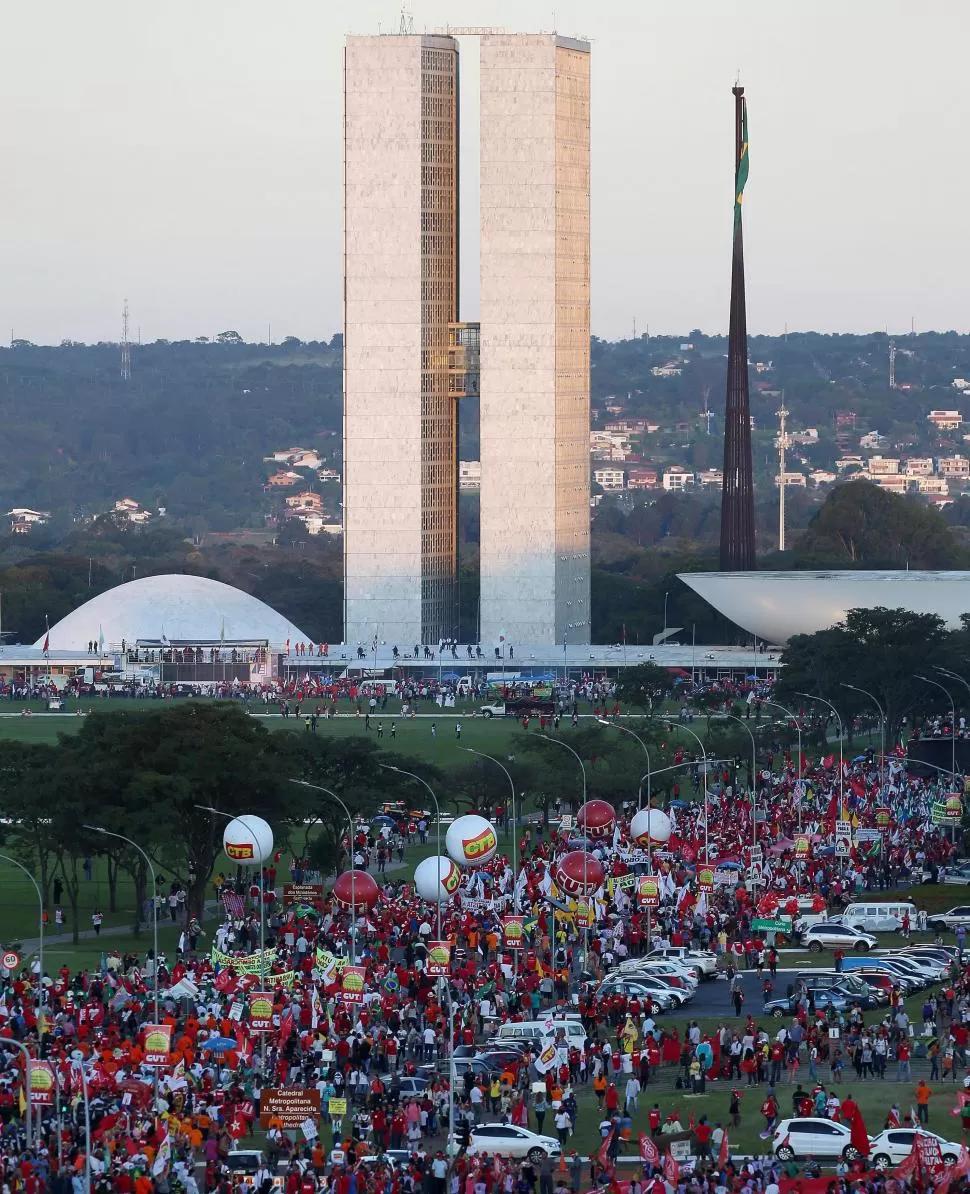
column 932, row 970
column 410, row 1088
column 633, row 986
column 506, row 1140
column 895, row 1145
column 394, row 1158
column 939, row 922
column 826, row 936
column 701, row 961
column 824, row 999
column 812, row 1137
column 959, row 875
column 667, row 972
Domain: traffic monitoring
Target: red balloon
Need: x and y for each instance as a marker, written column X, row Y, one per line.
column 356, row 891
column 596, row 819
column 578, row 873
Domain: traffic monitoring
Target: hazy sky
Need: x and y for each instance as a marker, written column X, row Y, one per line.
column 187, row 155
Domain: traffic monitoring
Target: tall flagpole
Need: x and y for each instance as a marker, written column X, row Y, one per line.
column 737, row 487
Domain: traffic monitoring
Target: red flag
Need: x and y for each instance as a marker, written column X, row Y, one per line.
column 722, row 1153
column 671, row 1170
column 649, row 1153
column 244, row 1045
column 828, row 762
column 603, row 1156
column 47, row 643
column 286, row 1027
column 690, row 1122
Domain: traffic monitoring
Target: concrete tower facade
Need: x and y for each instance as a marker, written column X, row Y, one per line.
column 400, row 303
column 535, row 335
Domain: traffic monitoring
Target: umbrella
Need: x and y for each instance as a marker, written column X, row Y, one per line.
column 220, row 1044
column 676, row 803
column 384, row 819
column 580, row 843
column 728, row 864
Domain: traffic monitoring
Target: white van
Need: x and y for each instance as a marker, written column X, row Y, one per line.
column 878, row 918
column 533, row 1030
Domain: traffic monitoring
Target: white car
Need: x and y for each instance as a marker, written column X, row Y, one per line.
column 664, row 970
column 932, row 970
column 657, row 986
column 895, row 1145
column 702, row 962
column 829, row 936
column 812, row 1137
column 939, row 922
column 509, row 1141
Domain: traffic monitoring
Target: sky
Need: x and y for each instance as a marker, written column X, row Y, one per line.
column 186, row 156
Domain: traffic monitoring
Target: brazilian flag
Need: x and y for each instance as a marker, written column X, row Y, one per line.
column 741, row 176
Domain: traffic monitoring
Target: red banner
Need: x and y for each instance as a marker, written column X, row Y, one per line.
column 260, row 1011
column 158, row 1043
column 42, row 1085
column 438, row 963
column 352, row 983
column 648, row 891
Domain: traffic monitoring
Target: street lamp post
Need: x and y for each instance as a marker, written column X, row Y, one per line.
column 643, row 746
column 121, row 837
column 754, row 780
column 882, row 729
column 589, row 902
column 79, row 1065
column 808, row 696
column 515, row 846
column 350, row 848
column 40, row 947
column 707, row 855
column 28, row 1107
column 953, row 722
column 798, row 729
column 452, row 1077
column 218, row 812
column 437, row 822
column 953, row 676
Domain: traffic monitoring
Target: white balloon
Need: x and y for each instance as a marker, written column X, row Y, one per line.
column 248, row 840
column 436, row 879
column 650, row 824
column 471, row 840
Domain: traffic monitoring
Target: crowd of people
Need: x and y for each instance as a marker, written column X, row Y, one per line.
column 377, row 1054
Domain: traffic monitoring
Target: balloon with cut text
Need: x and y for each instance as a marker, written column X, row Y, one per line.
column 578, row 873
column 597, row 819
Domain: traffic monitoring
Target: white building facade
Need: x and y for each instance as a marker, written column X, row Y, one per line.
column 535, row 335
column 401, row 295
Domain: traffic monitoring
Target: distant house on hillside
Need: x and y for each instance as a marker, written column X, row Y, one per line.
column 284, row 480
column 128, row 510
column 307, row 500
column 22, row 519
column 945, row 420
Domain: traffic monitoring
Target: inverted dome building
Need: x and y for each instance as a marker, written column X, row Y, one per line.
column 171, row 609
column 776, row 605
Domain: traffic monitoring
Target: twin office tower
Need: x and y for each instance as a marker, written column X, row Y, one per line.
column 409, row 361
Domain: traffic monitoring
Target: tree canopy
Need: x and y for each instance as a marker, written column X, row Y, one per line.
column 879, row 650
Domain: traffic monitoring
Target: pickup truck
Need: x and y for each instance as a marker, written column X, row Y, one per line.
column 520, row 707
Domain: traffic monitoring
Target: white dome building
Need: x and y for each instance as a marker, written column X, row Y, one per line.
column 172, row 608
column 776, row 605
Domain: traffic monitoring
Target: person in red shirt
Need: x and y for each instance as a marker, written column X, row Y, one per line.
column 702, row 1134
column 612, row 1098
